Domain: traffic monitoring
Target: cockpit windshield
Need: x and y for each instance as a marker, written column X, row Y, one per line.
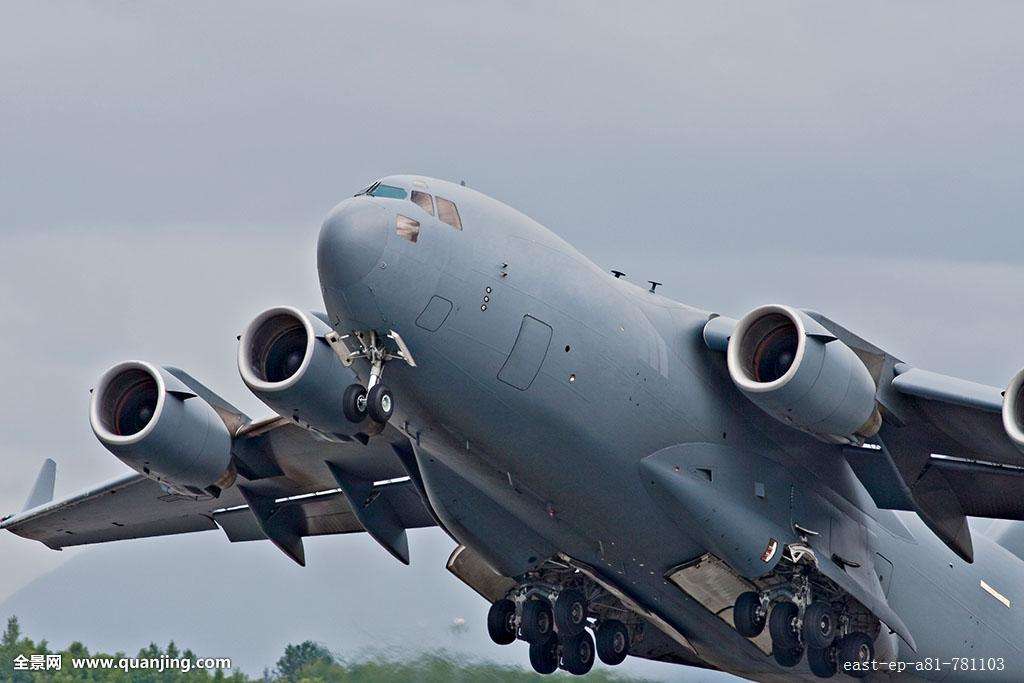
column 447, row 212
column 381, row 190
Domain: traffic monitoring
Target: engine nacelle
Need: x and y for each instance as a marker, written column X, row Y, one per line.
column 1013, row 410
column 285, row 359
column 157, row 425
column 794, row 369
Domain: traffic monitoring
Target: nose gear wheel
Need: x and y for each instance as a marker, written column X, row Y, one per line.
column 374, row 400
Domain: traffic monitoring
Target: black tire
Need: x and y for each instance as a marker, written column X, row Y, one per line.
column 570, row 611
column 380, row 404
column 787, row 657
column 612, row 642
column 537, row 624
column 822, row 662
column 544, row 655
column 351, row 402
column 819, row 627
column 780, row 626
column 854, row 653
column 501, row 622
column 747, row 615
column 578, row 653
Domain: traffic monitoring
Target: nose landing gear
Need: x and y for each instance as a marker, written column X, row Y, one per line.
column 375, row 400
column 353, row 403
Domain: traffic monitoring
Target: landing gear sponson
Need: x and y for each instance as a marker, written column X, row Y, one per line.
column 552, row 610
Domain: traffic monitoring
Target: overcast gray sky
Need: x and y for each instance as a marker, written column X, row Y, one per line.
column 164, row 168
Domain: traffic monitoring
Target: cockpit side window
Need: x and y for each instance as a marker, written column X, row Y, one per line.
column 407, row 228
column 389, row 191
column 448, row 212
column 424, row 201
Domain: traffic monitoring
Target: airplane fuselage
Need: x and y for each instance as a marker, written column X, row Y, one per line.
column 542, row 382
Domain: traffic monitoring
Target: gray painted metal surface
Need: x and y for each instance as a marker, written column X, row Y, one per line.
column 549, row 409
column 42, row 490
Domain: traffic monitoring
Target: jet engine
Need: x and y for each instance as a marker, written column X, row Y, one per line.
column 1013, row 410
column 157, row 425
column 285, row 359
column 794, row 369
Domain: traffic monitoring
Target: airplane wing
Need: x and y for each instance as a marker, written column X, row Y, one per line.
column 943, row 450
column 291, row 484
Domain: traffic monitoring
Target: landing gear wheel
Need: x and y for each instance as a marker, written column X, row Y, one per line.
column 787, row 657
column 501, row 622
column 544, row 655
column 353, row 403
column 854, row 654
column 819, row 628
column 537, row 623
column 612, row 642
column 780, row 626
column 380, row 404
column 747, row 615
column 822, row 661
column 570, row 611
column 578, row 653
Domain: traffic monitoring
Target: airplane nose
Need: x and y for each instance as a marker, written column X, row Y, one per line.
column 351, row 242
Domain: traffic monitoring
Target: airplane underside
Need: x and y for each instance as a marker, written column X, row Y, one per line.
column 548, row 584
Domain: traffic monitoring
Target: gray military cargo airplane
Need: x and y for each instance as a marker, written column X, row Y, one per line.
column 771, row 496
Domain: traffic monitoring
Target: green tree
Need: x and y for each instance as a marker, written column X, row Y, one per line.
column 12, row 645
column 8, row 648
column 297, row 657
column 306, row 662
column 12, row 634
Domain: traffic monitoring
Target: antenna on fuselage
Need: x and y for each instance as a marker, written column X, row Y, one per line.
column 617, row 274
column 654, row 286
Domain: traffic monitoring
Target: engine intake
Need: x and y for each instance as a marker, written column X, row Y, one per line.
column 794, row 369
column 1013, row 410
column 157, row 425
column 285, row 359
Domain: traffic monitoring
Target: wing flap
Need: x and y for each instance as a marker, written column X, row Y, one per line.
column 289, row 470
column 328, row 513
column 984, row 489
column 968, row 413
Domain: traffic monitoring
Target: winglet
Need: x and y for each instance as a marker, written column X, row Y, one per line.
column 42, row 491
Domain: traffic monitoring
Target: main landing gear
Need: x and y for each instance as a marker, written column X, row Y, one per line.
column 553, row 612
column 375, row 400
column 805, row 618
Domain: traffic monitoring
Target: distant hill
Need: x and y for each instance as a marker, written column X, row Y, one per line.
column 247, row 601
